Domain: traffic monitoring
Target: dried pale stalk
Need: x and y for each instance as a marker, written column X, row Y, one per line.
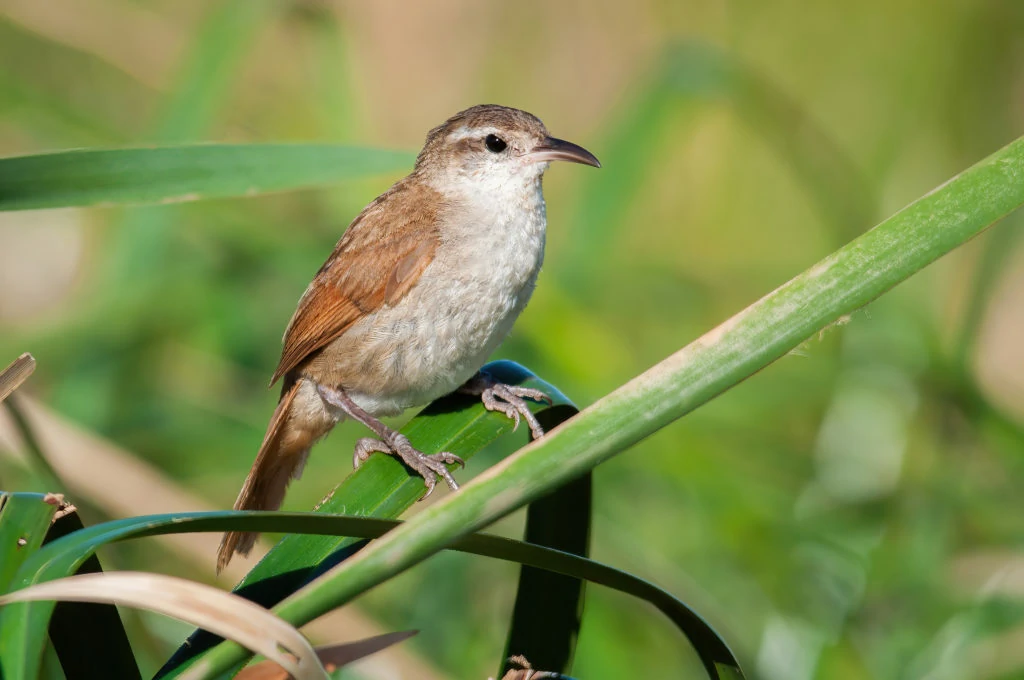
column 225, row 614
column 15, row 374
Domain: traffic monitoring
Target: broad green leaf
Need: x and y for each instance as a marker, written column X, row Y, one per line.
column 24, row 520
column 181, row 173
column 382, row 487
column 763, row 332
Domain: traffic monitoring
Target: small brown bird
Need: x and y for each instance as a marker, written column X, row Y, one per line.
column 421, row 289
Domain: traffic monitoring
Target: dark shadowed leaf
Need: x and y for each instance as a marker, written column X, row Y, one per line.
column 78, row 629
column 549, row 607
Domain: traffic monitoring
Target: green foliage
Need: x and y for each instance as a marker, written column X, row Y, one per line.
column 381, row 487
column 840, row 284
column 22, row 636
column 24, row 520
column 845, row 513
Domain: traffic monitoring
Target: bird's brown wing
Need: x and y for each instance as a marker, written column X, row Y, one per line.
column 376, row 262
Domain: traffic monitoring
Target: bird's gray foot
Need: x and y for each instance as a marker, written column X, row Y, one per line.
column 507, row 399
column 430, row 467
column 393, row 443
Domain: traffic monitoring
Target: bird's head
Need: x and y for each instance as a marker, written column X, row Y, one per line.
column 495, row 146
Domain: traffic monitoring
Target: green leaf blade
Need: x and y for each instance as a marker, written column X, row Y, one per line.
column 182, row 173
column 24, row 520
column 382, row 487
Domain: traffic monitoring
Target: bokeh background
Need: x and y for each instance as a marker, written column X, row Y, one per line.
column 854, row 511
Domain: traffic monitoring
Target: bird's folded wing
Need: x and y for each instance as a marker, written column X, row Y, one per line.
column 382, row 254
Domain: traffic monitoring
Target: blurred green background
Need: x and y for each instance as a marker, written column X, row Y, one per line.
column 854, row 511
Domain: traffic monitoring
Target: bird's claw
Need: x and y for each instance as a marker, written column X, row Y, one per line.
column 367, row 446
column 430, row 467
column 508, row 399
column 448, row 459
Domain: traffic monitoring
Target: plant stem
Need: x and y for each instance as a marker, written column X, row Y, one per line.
column 765, row 331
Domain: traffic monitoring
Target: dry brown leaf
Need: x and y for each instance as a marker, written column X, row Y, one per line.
column 332, row 657
column 215, row 610
column 15, row 374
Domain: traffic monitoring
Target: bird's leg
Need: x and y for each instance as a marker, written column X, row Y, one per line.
column 392, row 443
column 507, row 399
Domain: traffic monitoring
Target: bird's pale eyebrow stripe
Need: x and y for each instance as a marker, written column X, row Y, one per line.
column 466, row 132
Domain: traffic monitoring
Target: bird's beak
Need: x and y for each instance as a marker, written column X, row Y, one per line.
column 552, row 149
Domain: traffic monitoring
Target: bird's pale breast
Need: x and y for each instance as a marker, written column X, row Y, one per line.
column 456, row 315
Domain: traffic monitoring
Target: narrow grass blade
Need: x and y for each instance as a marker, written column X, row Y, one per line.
column 182, row 173
column 330, row 62
column 203, row 81
column 987, row 273
column 229, row 615
column 605, row 202
column 47, row 476
column 16, row 373
column 765, row 331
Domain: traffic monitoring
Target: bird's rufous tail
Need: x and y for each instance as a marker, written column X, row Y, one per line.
column 293, row 429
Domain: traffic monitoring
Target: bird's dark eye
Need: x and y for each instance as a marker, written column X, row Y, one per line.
column 494, row 143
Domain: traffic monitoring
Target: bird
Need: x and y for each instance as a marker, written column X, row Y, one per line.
column 419, row 291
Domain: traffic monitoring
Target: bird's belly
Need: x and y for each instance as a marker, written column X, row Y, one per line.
column 432, row 341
